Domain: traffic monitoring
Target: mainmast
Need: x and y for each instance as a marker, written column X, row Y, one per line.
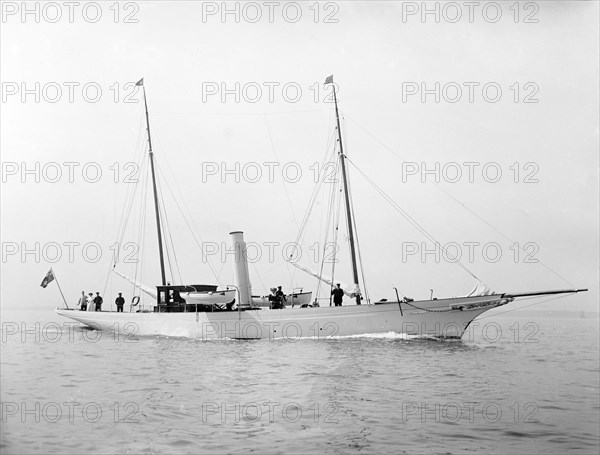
column 151, row 154
column 349, row 217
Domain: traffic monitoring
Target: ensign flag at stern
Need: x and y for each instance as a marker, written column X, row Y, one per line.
column 48, row 278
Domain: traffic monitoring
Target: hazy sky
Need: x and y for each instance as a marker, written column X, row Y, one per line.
column 499, row 101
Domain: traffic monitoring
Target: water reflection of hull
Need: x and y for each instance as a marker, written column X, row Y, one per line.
column 445, row 318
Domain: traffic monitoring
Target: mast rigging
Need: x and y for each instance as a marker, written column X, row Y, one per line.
column 156, row 209
column 346, row 196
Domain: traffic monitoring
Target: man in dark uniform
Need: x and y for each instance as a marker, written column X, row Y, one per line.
column 281, row 298
column 338, row 295
column 120, row 301
column 98, row 302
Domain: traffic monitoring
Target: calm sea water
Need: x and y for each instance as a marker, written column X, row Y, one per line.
column 514, row 384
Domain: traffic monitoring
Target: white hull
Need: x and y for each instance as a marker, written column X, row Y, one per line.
column 444, row 319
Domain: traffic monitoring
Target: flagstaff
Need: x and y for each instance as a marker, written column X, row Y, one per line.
column 51, row 276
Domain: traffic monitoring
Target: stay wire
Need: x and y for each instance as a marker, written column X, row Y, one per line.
column 412, row 221
column 464, row 205
column 329, row 224
column 131, row 189
column 527, row 306
column 192, row 227
column 336, row 231
column 141, row 232
column 169, row 245
column 316, row 189
column 353, row 220
column 285, row 188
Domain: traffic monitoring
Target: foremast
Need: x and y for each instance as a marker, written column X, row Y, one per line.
column 155, row 191
column 349, row 216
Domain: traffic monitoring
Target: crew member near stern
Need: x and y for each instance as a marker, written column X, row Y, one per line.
column 338, row 295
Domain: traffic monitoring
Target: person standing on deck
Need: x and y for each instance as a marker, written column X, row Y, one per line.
column 120, row 301
column 338, row 295
column 90, row 302
column 273, row 298
column 282, row 299
column 82, row 302
column 98, row 301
